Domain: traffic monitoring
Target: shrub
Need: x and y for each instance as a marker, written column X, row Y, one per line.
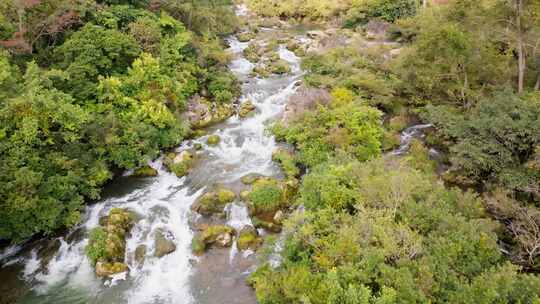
column 266, row 196
column 97, row 245
column 352, row 128
column 404, row 231
column 388, row 10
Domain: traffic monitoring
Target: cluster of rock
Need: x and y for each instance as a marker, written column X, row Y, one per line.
column 246, row 109
column 108, row 250
column 179, row 163
column 266, row 58
column 201, row 113
column 213, row 202
column 107, row 246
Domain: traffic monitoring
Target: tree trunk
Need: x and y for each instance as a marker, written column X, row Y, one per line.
column 520, row 47
column 424, row 3
column 537, row 85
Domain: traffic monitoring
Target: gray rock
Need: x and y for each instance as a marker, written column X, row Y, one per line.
column 163, row 243
column 140, row 254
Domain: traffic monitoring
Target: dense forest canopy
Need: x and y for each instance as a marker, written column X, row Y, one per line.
column 92, row 87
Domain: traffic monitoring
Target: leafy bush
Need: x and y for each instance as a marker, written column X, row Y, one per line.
column 91, row 52
column 388, row 10
column 223, row 86
column 347, row 68
column 318, row 135
column 266, row 196
column 97, row 245
column 494, row 141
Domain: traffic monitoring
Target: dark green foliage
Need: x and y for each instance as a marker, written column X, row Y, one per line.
column 387, row 10
column 223, row 86
column 95, row 51
column 97, row 246
column 46, row 168
column 493, row 141
column 105, row 104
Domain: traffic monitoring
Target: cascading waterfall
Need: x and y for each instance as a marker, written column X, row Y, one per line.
column 163, row 203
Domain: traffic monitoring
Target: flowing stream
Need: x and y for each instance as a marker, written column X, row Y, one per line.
column 57, row 271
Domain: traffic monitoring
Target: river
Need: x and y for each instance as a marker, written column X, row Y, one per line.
column 57, row 271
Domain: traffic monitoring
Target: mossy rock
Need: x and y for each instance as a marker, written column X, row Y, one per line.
column 253, row 52
column 246, row 109
column 248, row 238
column 261, row 71
column 120, row 221
column 163, row 243
column 221, row 112
column 226, row 196
column 140, row 254
column 293, row 45
column 145, row 171
column 213, row 202
column 266, row 225
column 279, row 67
column 246, row 36
column 180, row 163
column 251, row 178
column 104, row 269
column 244, row 195
column 213, row 140
column 217, row 235
column 107, row 245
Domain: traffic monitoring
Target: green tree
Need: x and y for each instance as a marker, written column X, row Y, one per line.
column 91, row 52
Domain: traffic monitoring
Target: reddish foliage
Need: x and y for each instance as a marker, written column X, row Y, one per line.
column 28, row 3
column 62, row 22
column 17, row 43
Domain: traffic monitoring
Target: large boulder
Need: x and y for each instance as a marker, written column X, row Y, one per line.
column 163, row 243
column 145, row 171
column 246, row 109
column 107, row 245
column 217, row 235
column 213, row 202
column 248, row 238
column 140, row 254
column 305, row 99
column 105, row 269
column 180, row 163
column 202, row 113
